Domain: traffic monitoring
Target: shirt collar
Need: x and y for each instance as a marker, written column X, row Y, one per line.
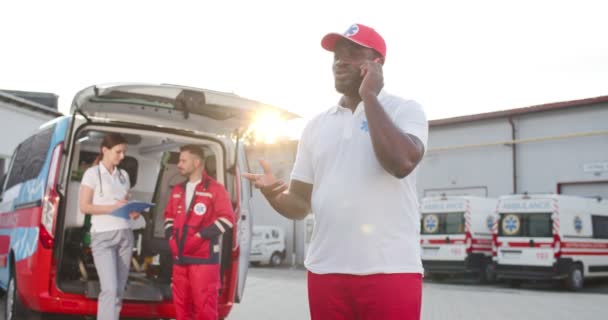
column 195, row 183
column 204, row 177
column 359, row 108
column 104, row 170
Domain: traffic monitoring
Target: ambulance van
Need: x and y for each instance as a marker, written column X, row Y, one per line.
column 551, row 237
column 267, row 245
column 456, row 236
column 46, row 265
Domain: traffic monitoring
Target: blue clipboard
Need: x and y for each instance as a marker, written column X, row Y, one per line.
column 133, row 206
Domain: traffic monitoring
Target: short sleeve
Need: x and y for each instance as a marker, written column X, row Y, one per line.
column 302, row 168
column 89, row 178
column 411, row 119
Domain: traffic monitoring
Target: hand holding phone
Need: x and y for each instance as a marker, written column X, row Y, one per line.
column 372, row 78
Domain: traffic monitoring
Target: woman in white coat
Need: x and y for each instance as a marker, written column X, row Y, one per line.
column 105, row 188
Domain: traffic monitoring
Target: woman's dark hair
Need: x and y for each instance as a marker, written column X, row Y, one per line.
column 109, row 141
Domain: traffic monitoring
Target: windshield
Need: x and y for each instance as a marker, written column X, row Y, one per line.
column 525, row 225
column 443, row 223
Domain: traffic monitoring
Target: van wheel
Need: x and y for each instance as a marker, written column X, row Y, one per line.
column 575, row 280
column 13, row 308
column 276, row 259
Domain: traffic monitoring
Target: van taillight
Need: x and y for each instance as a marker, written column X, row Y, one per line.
column 46, row 240
column 494, row 244
column 50, row 201
column 469, row 243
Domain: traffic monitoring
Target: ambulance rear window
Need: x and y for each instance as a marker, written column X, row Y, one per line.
column 525, row 225
column 443, row 223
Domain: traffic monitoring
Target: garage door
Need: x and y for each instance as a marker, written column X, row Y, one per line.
column 586, row 189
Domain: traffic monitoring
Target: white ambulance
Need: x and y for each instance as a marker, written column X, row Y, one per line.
column 456, row 236
column 268, row 245
column 551, row 237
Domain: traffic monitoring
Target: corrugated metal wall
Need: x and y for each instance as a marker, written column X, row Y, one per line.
column 552, row 148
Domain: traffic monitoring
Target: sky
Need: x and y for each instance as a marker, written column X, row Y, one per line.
column 454, row 57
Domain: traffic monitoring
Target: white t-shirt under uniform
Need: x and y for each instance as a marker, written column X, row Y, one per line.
column 190, row 187
column 115, row 186
column 366, row 220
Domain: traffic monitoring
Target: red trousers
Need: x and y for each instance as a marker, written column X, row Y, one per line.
column 195, row 291
column 395, row 296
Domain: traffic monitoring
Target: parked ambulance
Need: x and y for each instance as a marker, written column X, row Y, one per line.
column 456, row 236
column 268, row 245
column 45, row 257
column 551, row 237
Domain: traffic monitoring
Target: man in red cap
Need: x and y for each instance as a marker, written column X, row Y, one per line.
column 355, row 170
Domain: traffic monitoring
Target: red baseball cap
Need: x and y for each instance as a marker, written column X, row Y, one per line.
column 359, row 34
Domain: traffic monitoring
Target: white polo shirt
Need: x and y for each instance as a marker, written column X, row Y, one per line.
column 115, row 186
column 366, row 220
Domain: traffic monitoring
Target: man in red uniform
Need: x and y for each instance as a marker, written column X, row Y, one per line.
column 198, row 212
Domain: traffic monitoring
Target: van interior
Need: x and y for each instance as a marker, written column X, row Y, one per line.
column 151, row 162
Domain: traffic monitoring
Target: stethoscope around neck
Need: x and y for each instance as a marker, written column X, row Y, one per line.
column 121, row 178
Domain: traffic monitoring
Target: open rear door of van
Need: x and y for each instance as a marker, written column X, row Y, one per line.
column 244, row 230
column 171, row 106
column 200, row 110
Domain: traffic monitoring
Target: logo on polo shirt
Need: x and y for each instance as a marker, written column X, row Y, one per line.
column 364, row 126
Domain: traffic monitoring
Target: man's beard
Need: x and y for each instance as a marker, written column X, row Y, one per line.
column 185, row 173
column 349, row 88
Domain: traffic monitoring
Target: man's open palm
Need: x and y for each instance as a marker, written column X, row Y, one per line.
column 270, row 186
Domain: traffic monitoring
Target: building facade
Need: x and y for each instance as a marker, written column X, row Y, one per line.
column 552, row 148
